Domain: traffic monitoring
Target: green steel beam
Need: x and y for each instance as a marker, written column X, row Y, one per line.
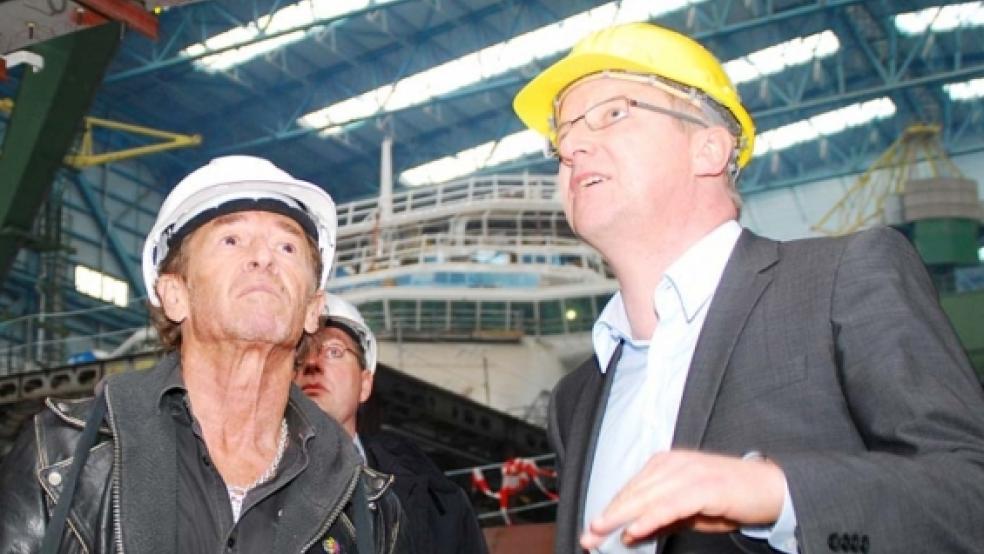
column 47, row 115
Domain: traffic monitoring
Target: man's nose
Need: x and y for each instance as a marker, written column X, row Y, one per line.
column 311, row 367
column 260, row 254
column 578, row 139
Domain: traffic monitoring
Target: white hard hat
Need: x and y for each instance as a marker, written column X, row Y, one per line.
column 234, row 184
column 342, row 312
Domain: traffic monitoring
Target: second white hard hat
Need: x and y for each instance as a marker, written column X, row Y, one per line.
column 342, row 312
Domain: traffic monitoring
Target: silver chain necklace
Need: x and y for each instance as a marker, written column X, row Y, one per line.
column 237, row 494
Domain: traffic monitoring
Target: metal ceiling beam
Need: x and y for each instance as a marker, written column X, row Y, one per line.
column 95, row 243
column 866, row 93
column 329, row 75
column 833, row 98
column 127, row 12
column 120, row 318
column 115, row 246
column 181, row 59
column 290, row 131
column 139, row 234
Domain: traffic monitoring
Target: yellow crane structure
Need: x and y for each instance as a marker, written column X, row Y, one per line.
column 86, row 155
column 917, row 154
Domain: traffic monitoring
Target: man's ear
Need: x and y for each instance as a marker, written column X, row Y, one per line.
column 712, row 148
column 312, row 314
column 366, row 391
column 173, row 294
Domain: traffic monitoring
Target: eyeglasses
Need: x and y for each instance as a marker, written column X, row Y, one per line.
column 333, row 353
column 607, row 113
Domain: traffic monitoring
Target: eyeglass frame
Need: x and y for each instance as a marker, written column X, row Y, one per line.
column 552, row 151
column 336, row 346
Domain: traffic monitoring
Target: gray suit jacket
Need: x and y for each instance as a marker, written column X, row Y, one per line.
column 833, row 357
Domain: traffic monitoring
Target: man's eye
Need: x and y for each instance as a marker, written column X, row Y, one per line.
column 334, row 352
column 289, row 248
column 230, row 240
column 615, row 113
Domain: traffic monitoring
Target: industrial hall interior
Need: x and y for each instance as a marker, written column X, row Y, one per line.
column 452, row 240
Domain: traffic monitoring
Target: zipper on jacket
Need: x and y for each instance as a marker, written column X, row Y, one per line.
column 117, row 460
column 334, row 514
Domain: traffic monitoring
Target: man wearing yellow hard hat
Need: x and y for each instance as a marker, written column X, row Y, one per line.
column 745, row 394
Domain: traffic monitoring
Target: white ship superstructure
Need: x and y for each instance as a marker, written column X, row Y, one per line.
column 478, row 286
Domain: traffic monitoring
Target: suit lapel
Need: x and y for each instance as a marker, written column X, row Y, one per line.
column 745, row 278
column 585, row 428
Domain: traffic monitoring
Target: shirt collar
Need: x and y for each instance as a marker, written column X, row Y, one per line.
column 694, row 276
column 173, row 382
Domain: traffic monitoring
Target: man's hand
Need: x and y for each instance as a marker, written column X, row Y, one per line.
column 708, row 492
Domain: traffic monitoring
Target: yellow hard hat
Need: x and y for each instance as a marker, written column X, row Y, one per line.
column 636, row 48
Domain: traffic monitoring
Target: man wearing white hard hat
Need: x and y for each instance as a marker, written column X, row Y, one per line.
column 335, row 368
column 213, row 449
column 744, row 395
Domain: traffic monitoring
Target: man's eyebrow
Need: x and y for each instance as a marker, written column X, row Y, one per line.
column 291, row 227
column 228, row 219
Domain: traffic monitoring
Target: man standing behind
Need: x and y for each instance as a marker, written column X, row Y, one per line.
column 335, row 368
column 744, row 393
column 213, row 449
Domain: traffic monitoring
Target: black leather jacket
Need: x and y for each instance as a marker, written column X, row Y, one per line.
column 127, row 485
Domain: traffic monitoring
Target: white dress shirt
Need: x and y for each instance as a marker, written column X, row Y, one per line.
column 359, row 448
column 642, row 408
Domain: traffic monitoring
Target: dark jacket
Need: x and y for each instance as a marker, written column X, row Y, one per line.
column 833, row 358
column 440, row 515
column 125, row 501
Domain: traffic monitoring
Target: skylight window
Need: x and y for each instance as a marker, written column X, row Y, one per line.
column 99, row 285
column 968, row 90
column 824, row 124
column 774, row 59
column 466, row 162
column 941, row 18
column 486, row 63
column 298, row 16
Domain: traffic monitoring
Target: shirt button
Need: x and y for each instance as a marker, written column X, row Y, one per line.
column 54, row 478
